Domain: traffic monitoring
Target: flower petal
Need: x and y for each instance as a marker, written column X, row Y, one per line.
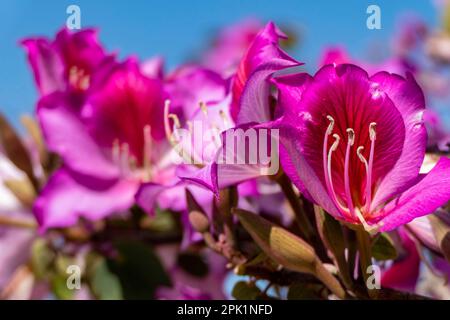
column 66, row 135
column 345, row 93
column 409, row 100
column 301, row 173
column 250, row 88
column 68, row 196
column 404, row 272
column 431, row 192
column 47, row 65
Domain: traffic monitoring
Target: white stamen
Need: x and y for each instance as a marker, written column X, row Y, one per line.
column 331, row 125
column 372, row 132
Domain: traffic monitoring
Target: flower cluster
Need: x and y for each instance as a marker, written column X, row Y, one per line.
column 163, row 184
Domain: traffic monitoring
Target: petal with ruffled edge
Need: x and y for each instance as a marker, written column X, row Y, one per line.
column 47, row 65
column 300, row 172
column 346, row 94
column 69, row 196
column 431, row 192
column 66, row 135
column 250, row 86
column 408, row 98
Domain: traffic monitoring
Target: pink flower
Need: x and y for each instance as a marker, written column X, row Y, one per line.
column 109, row 147
column 354, row 144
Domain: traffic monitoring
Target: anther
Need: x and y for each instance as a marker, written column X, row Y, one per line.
column 331, row 125
column 351, row 136
column 372, row 132
column 203, row 107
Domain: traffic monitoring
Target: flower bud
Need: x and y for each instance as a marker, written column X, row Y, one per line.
column 199, row 221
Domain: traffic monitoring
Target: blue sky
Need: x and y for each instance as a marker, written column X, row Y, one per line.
column 179, row 29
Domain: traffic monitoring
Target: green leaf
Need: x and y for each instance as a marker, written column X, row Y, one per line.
column 58, row 283
column 103, row 283
column 282, row 246
column 331, row 231
column 139, row 270
column 243, row 290
column 41, row 259
column 383, row 248
column 332, row 235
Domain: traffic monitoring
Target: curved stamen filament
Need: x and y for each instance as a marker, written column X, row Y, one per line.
column 350, row 142
column 327, row 160
column 325, row 148
column 148, row 142
column 373, row 136
column 366, row 165
column 330, row 176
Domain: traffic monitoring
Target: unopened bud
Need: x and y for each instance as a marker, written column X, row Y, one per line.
column 199, row 221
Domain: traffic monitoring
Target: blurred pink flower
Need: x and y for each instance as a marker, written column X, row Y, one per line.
column 230, row 45
column 109, row 146
column 66, row 63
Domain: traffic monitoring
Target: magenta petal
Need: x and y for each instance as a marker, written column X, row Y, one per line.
column 147, row 196
column 409, row 100
column 250, row 87
column 290, row 90
column 153, row 67
column 205, row 177
column 300, row 172
column 47, row 65
column 431, row 192
column 67, row 136
column 346, row 94
column 68, row 196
